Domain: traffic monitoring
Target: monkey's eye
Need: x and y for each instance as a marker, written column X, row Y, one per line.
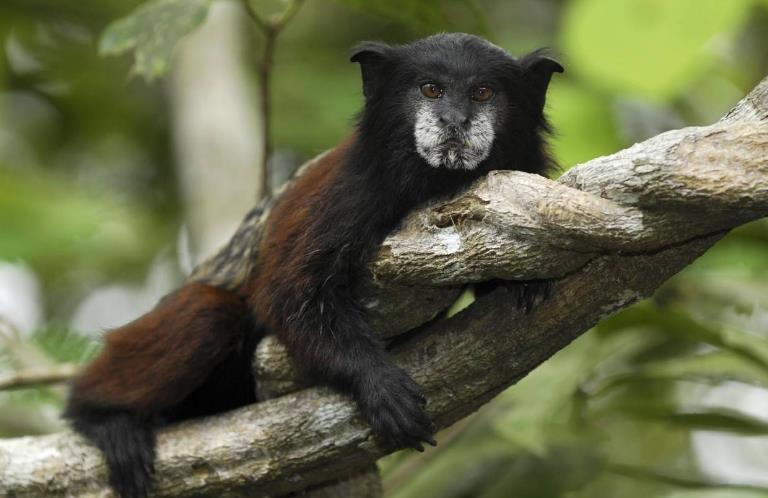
column 482, row 93
column 432, row 90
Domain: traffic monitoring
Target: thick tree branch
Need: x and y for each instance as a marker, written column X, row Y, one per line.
column 609, row 232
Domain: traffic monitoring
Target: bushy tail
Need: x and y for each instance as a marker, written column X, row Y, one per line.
column 128, row 445
column 189, row 356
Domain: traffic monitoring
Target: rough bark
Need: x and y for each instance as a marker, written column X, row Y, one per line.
column 608, row 233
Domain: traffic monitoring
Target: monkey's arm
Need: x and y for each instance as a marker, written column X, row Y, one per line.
column 317, row 239
column 330, row 340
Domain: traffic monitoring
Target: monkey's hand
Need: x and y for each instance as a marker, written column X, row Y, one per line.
column 393, row 405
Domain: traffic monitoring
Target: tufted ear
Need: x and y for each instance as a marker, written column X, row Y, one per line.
column 538, row 68
column 371, row 56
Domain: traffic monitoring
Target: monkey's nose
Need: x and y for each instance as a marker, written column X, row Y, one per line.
column 453, row 118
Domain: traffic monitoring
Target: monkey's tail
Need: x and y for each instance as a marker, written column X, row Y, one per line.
column 189, row 356
column 127, row 443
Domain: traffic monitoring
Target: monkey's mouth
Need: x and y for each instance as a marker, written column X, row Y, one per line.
column 450, row 147
column 454, row 150
column 455, row 143
column 453, row 155
column 452, row 139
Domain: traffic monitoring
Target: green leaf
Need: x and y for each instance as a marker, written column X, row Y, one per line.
column 654, row 48
column 701, row 486
column 462, row 302
column 718, row 493
column 62, row 345
column 721, row 420
column 152, row 31
column 674, row 321
column 714, row 367
column 699, row 418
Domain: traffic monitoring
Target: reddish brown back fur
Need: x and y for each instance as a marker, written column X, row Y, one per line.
column 287, row 238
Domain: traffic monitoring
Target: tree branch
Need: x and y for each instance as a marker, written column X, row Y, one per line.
column 609, row 232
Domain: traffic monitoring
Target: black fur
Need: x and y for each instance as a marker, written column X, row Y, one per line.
column 128, row 444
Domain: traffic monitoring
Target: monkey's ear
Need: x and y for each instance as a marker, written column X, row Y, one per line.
column 371, row 56
column 538, row 67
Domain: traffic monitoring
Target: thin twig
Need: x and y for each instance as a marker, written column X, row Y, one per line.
column 31, row 378
column 290, row 11
column 265, row 91
column 255, row 17
column 270, row 29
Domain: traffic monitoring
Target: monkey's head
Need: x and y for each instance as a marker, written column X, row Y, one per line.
column 455, row 99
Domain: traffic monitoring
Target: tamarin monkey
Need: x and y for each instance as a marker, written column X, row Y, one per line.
column 439, row 112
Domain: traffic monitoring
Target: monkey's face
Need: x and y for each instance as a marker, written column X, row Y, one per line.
column 457, row 99
column 455, row 121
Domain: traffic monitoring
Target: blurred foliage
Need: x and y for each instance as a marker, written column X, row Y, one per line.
column 662, row 49
column 88, row 196
column 75, row 225
column 36, row 411
column 152, row 32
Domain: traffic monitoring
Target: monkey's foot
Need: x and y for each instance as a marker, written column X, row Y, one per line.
column 393, row 405
column 525, row 294
column 531, row 293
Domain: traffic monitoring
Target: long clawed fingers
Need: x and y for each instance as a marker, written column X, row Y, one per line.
column 396, row 412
